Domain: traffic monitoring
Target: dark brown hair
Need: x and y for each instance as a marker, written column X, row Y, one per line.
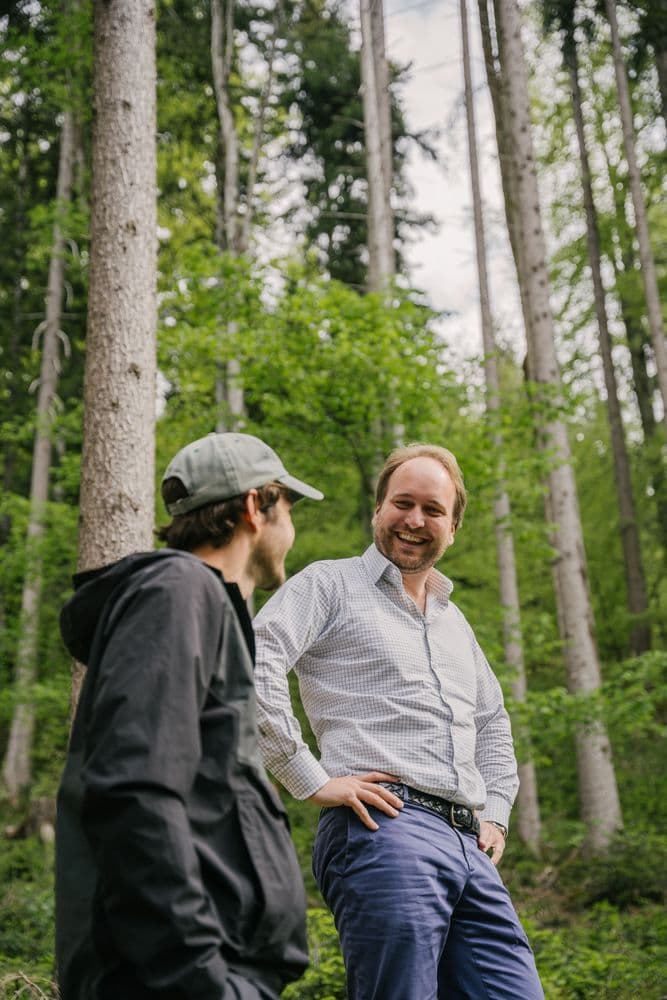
column 214, row 523
column 400, row 455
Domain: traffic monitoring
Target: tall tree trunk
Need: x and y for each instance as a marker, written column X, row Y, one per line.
column 600, row 805
column 8, row 456
column 381, row 67
column 118, row 461
column 222, row 47
column 374, row 79
column 492, row 62
column 653, row 308
column 233, row 226
column 527, row 803
column 16, row 768
column 638, row 344
column 640, row 638
column 661, row 67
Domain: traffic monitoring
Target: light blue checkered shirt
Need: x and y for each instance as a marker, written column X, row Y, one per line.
column 385, row 687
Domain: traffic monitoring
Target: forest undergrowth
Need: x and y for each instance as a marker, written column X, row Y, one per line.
column 598, row 929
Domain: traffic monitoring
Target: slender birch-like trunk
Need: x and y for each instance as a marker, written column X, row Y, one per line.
column 624, row 264
column 527, row 802
column 118, row 461
column 600, row 804
column 492, row 62
column 16, row 768
column 640, row 638
column 233, row 226
column 649, row 277
column 374, row 79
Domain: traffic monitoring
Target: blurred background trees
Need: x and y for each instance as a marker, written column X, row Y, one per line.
column 285, row 308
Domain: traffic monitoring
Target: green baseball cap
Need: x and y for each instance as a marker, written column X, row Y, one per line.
column 220, row 466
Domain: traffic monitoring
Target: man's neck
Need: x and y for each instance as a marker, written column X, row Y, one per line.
column 415, row 587
column 232, row 561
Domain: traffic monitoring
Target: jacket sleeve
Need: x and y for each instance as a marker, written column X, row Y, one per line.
column 142, row 753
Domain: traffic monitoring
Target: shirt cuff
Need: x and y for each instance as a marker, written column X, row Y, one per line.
column 497, row 808
column 302, row 775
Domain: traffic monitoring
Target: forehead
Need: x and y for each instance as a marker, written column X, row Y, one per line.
column 422, row 477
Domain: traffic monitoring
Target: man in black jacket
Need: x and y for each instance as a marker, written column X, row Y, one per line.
column 175, row 873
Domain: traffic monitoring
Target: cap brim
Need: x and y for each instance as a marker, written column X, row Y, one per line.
column 303, row 489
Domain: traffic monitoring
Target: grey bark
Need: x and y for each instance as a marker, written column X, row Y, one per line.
column 661, row 66
column 374, row 78
column 222, row 47
column 653, row 307
column 117, row 470
column 624, row 264
column 383, row 94
column 230, row 231
column 600, row 805
column 640, row 638
column 118, row 461
column 16, row 768
column 233, row 225
column 527, row 802
column 492, row 62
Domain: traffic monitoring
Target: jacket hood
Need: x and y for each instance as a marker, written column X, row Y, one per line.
column 93, row 589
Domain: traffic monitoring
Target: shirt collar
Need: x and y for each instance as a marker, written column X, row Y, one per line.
column 379, row 567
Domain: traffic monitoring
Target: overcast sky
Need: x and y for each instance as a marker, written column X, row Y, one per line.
column 427, row 35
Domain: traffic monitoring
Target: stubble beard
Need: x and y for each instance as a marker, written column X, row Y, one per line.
column 418, row 562
column 268, row 570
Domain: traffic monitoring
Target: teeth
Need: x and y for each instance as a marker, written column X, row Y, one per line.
column 405, row 537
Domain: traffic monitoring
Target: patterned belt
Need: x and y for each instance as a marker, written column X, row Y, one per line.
column 458, row 816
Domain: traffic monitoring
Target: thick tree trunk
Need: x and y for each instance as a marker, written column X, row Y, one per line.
column 374, row 76
column 527, row 803
column 117, row 472
column 653, row 308
column 600, row 805
column 16, row 769
column 640, row 638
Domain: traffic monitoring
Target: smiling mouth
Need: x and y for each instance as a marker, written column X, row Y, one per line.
column 404, row 536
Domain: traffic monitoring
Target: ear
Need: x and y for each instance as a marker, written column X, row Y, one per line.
column 252, row 515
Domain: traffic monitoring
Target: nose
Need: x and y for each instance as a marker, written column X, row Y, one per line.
column 415, row 518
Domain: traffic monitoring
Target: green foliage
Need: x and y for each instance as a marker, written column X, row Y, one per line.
column 26, row 903
column 325, row 977
column 606, row 956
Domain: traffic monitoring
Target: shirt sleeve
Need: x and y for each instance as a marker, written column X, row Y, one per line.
column 285, row 628
column 494, row 748
column 142, row 754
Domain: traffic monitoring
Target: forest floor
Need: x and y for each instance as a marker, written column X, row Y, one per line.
column 599, row 929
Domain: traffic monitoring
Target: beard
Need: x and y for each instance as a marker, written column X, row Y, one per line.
column 408, row 559
column 267, row 567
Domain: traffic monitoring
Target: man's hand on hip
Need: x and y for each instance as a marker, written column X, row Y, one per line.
column 491, row 839
column 354, row 790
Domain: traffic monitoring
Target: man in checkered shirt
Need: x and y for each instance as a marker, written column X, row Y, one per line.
column 417, row 773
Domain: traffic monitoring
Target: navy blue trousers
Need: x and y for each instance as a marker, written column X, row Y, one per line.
column 421, row 912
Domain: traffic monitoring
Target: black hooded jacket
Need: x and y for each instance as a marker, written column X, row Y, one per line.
column 175, row 873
